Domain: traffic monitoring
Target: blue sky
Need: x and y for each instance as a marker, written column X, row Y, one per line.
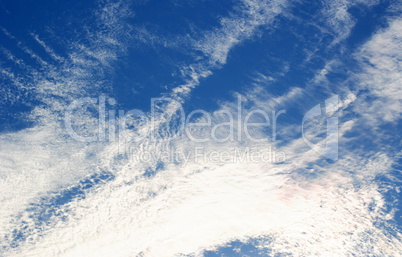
column 200, row 128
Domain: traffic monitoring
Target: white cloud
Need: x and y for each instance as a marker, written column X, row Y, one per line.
column 382, row 73
column 340, row 22
column 233, row 30
column 307, row 205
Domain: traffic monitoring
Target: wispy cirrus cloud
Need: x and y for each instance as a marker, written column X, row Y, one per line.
column 382, row 73
column 305, row 205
